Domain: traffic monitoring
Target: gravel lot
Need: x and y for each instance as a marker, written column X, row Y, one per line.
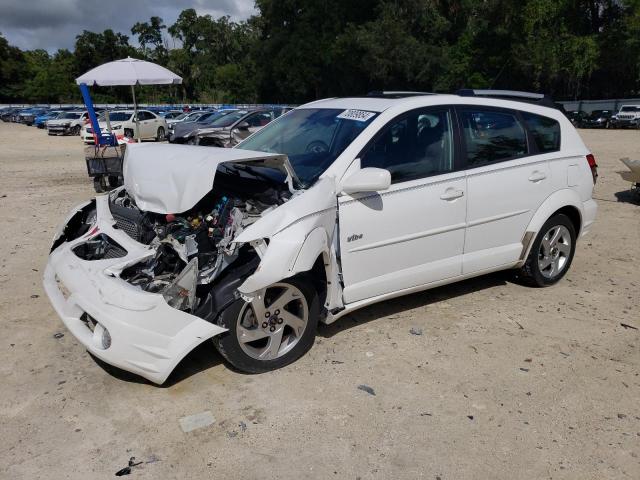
column 505, row 382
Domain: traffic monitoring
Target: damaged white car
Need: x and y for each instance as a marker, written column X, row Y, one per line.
column 339, row 204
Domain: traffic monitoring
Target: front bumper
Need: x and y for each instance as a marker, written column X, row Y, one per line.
column 58, row 129
column 625, row 123
column 148, row 337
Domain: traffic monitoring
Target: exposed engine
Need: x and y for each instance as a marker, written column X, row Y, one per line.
column 193, row 248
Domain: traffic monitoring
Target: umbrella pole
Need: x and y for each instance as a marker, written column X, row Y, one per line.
column 135, row 112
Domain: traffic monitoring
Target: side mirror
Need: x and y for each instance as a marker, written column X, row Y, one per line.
column 243, row 126
column 367, row 180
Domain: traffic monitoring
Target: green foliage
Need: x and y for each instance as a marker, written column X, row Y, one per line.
column 298, row 50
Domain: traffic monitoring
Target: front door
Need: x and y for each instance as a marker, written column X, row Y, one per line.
column 413, row 233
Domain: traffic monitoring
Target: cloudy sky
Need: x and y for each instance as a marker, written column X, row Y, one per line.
column 53, row 24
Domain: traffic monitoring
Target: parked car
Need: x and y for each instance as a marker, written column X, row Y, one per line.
column 597, row 119
column 231, row 129
column 28, row 116
column 41, row 120
column 68, row 123
column 201, row 117
column 186, row 132
column 192, row 116
column 171, row 114
column 627, row 117
column 151, row 126
column 336, row 205
column 7, row 114
column 576, row 117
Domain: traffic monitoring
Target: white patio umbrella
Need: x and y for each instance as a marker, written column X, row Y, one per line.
column 129, row 71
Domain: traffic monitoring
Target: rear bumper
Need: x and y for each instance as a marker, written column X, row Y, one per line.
column 148, row 337
column 589, row 213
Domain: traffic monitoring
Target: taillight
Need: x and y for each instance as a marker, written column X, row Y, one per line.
column 593, row 166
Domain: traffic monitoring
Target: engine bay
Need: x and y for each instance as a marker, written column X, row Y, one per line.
column 193, row 248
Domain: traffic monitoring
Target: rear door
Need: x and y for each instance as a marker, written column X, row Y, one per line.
column 507, row 180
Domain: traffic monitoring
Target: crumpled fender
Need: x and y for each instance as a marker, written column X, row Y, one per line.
column 298, row 231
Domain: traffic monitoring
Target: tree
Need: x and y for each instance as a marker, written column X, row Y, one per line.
column 150, row 39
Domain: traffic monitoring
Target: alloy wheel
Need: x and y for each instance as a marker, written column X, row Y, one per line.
column 554, row 252
column 273, row 322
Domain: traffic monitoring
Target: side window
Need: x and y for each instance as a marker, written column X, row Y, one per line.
column 258, row 119
column 545, row 131
column 491, row 136
column 418, row 145
column 143, row 115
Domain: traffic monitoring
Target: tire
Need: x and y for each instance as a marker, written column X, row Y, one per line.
column 99, row 184
column 551, row 253
column 271, row 337
column 160, row 135
column 113, row 181
column 75, row 130
column 128, row 133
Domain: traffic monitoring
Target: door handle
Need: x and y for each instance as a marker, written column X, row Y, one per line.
column 537, row 176
column 451, row 194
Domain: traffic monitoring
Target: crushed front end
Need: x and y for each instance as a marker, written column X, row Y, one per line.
column 141, row 289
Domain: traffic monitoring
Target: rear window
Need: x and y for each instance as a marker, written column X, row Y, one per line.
column 545, row 131
column 492, row 136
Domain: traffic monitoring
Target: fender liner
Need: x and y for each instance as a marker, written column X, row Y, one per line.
column 554, row 202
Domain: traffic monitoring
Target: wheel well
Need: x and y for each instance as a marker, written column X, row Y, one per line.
column 318, row 274
column 574, row 215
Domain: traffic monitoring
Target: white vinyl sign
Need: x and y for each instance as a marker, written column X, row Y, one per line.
column 359, row 115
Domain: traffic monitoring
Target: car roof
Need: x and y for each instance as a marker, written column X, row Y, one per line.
column 380, row 104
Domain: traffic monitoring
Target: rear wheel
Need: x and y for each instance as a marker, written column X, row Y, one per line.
column 551, row 253
column 273, row 330
column 160, row 134
column 99, row 184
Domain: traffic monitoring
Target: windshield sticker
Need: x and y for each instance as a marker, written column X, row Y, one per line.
column 358, row 115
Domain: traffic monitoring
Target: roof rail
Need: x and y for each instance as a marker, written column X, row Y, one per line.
column 396, row 94
column 513, row 95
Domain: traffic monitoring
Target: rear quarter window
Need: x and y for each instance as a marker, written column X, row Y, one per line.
column 545, row 132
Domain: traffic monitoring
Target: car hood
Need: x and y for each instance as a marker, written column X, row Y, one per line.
column 173, row 178
column 212, row 131
column 62, row 121
column 185, row 128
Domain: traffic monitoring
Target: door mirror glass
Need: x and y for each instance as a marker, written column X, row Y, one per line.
column 243, row 126
column 369, row 179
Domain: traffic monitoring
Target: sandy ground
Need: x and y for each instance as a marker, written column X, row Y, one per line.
column 506, row 382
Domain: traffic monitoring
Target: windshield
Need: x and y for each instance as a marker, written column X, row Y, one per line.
column 599, row 113
column 629, row 109
column 70, row 115
column 213, row 117
column 228, row 119
column 115, row 116
column 312, row 138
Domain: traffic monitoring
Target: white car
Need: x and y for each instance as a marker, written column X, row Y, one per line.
column 151, row 126
column 68, row 123
column 338, row 204
column 628, row 116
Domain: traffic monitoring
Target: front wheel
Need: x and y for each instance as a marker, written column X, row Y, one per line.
column 273, row 330
column 551, row 253
column 76, row 130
